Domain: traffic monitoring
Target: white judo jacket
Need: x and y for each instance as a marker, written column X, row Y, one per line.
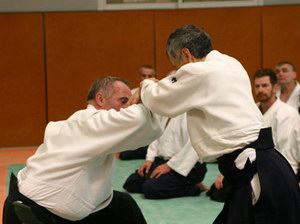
column 217, row 97
column 294, row 99
column 71, row 173
column 285, row 123
column 175, row 146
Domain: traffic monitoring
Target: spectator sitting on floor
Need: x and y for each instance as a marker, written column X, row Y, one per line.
column 289, row 88
column 171, row 168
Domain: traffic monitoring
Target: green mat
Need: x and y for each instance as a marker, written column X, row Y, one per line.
column 187, row 210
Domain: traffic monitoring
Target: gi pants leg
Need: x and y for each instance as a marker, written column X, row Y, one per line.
column 122, row 210
column 9, row 215
column 139, row 153
column 279, row 200
column 169, row 185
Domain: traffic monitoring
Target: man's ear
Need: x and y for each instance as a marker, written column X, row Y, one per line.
column 186, row 55
column 295, row 75
column 99, row 99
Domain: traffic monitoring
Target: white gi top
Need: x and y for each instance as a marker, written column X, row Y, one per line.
column 71, row 173
column 285, row 123
column 294, row 99
column 216, row 94
column 175, row 145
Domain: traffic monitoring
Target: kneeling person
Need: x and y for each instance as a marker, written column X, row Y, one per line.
column 69, row 178
column 171, row 168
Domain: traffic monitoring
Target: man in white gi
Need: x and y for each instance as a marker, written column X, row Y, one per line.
column 289, row 91
column 225, row 124
column 69, row 178
column 172, row 167
column 284, row 119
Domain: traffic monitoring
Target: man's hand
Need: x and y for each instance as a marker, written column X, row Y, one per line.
column 135, row 98
column 144, row 168
column 219, row 181
column 160, row 170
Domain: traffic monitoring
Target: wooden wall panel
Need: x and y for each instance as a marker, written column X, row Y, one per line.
column 84, row 46
column 22, row 81
column 81, row 46
column 234, row 31
column 281, row 35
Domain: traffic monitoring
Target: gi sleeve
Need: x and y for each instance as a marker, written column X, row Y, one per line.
column 296, row 141
column 184, row 161
column 152, row 151
column 173, row 95
column 104, row 132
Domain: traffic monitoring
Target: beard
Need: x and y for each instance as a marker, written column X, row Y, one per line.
column 262, row 97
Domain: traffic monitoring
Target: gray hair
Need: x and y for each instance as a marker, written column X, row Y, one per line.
column 280, row 63
column 105, row 84
column 191, row 37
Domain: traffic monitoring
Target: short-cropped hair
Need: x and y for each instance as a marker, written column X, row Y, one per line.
column 266, row 72
column 104, row 84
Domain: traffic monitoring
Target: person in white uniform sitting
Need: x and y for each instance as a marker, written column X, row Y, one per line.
column 283, row 118
column 145, row 72
column 69, row 178
column 289, row 91
column 172, row 168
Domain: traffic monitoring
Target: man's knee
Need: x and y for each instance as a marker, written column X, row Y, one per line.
column 9, row 215
column 151, row 190
column 133, row 184
column 123, row 199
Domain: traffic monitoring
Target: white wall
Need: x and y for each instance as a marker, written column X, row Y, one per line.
column 47, row 5
column 94, row 5
column 280, row 2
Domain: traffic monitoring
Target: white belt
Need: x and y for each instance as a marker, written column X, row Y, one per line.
column 240, row 162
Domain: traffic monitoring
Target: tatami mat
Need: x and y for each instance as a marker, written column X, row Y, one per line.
column 187, row 210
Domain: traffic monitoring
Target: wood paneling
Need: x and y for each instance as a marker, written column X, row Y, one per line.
column 22, row 80
column 84, row 46
column 81, row 46
column 281, row 35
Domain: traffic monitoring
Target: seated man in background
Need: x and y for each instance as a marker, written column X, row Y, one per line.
column 171, row 168
column 144, row 72
column 289, row 91
column 69, row 178
column 281, row 117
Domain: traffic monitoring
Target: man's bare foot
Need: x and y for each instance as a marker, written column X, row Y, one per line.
column 202, row 186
